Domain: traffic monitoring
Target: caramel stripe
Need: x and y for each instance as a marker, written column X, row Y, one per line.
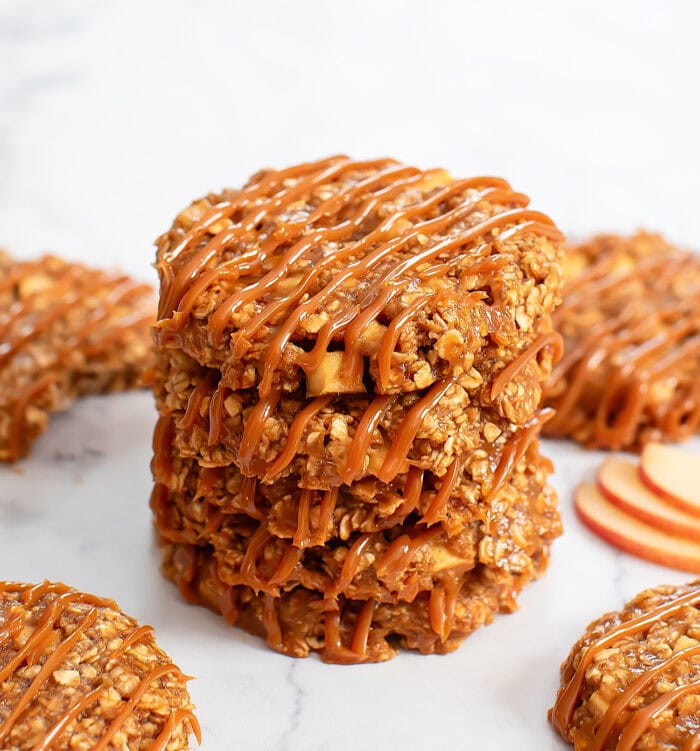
column 441, row 607
column 411, row 494
column 351, row 564
column 363, row 436
column 59, row 728
column 408, row 429
column 248, row 572
column 302, row 535
column 551, row 339
column 642, row 718
column 18, row 419
column 328, row 504
column 442, row 497
column 130, row 707
column 569, row 695
column 296, row 431
column 514, row 450
column 271, row 623
column 391, row 335
column 401, row 552
column 362, row 629
column 176, row 719
column 252, row 432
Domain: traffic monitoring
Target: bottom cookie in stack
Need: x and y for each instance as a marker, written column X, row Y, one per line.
column 352, row 573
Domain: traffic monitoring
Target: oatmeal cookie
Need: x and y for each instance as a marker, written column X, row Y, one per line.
column 65, row 331
column 302, row 620
column 631, row 326
column 77, row 673
column 338, row 274
column 632, row 682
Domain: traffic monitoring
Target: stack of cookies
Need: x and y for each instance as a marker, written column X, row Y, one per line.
column 350, row 359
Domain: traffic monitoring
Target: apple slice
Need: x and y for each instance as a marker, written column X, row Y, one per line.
column 619, row 481
column 632, row 536
column 673, row 474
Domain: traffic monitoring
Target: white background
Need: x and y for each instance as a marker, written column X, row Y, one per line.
column 113, row 116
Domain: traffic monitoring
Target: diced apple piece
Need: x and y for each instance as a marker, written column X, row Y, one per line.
column 328, row 378
column 672, row 473
column 632, row 536
column 619, row 481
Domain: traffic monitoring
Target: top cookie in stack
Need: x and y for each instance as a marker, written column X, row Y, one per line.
column 377, row 334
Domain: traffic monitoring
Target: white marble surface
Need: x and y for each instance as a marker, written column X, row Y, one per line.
column 112, row 116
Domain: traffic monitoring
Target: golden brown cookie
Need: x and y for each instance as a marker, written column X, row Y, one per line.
column 76, row 673
column 632, row 682
column 66, row 330
column 631, row 326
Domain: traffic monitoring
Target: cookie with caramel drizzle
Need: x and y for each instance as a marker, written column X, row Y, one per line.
column 631, row 326
column 76, row 672
column 338, row 271
column 632, row 682
column 66, row 330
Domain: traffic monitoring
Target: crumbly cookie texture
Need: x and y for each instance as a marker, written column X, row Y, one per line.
column 632, row 682
column 349, row 364
column 77, row 674
column 65, row 331
column 631, row 326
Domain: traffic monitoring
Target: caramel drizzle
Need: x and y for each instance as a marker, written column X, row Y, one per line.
column 359, row 268
column 41, row 640
column 514, row 450
column 443, row 600
column 435, row 511
column 625, row 399
column 296, row 431
column 643, row 717
column 401, row 443
column 333, row 644
column 551, row 339
column 568, row 697
column 303, row 537
column 394, row 461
